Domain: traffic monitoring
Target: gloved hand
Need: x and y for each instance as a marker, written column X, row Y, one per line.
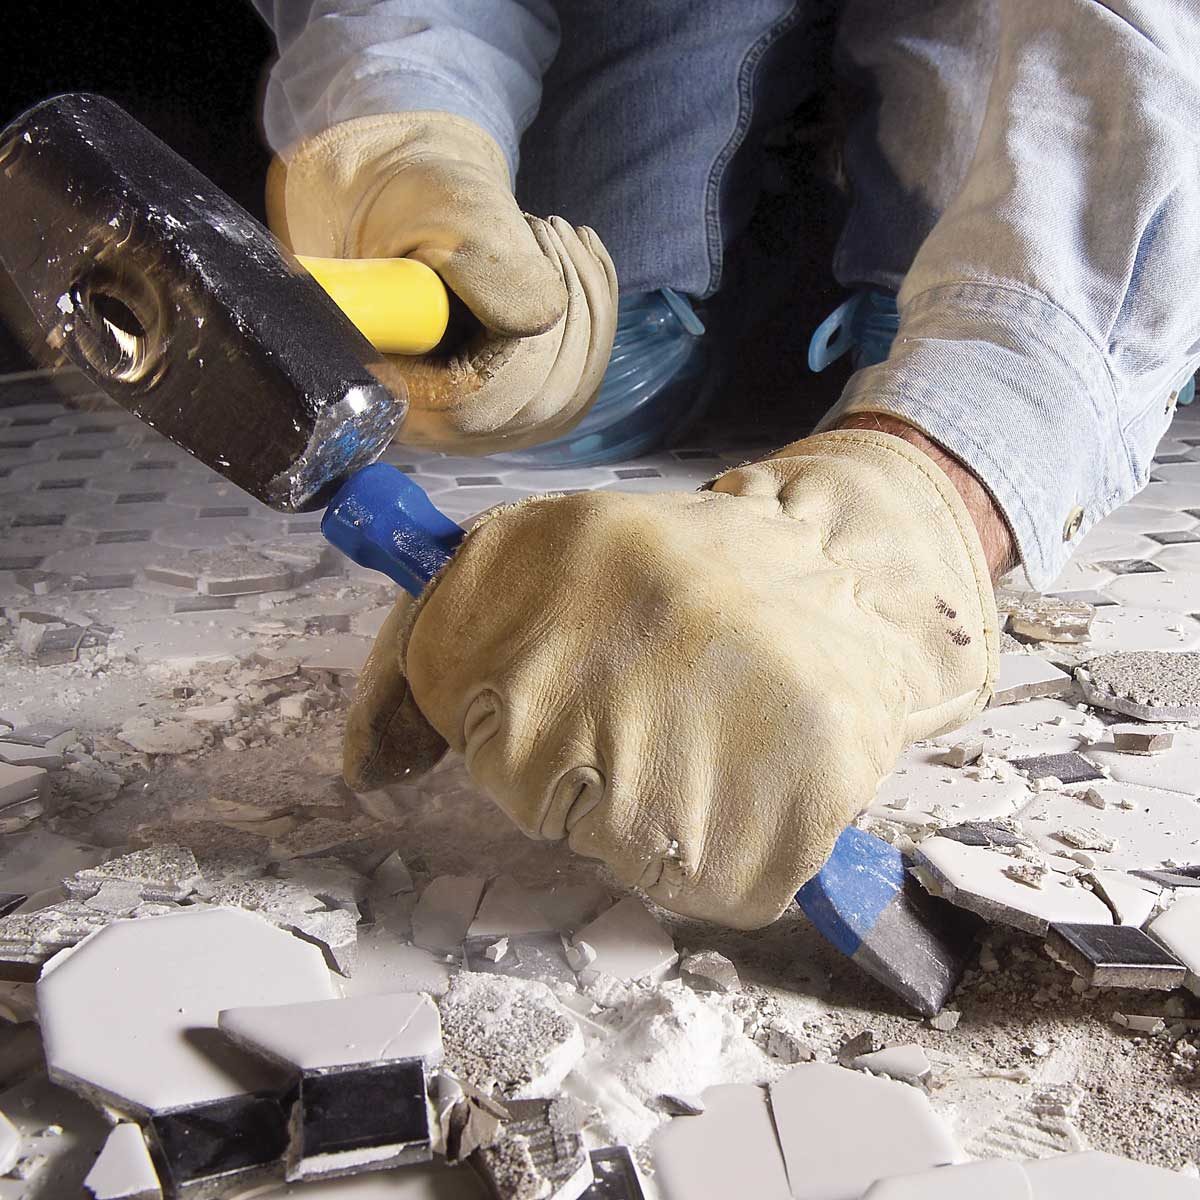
column 435, row 187
column 700, row 689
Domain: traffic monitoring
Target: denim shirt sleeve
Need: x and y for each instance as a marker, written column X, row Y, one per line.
column 1051, row 314
column 338, row 59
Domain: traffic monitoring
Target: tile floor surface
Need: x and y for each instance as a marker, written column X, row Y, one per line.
column 216, row 644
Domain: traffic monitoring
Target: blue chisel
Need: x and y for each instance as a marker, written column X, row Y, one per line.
column 187, row 313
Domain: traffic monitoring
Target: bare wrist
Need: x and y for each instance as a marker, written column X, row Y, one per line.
column 999, row 547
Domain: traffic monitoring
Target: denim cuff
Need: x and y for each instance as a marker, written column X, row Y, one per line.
column 1011, row 385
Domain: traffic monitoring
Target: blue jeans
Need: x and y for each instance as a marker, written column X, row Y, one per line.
column 652, row 116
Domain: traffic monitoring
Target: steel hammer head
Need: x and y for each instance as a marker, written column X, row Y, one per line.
column 183, row 308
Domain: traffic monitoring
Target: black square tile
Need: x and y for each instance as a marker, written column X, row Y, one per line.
column 20, row 562
column 10, row 901
column 380, row 1107
column 1115, row 956
column 981, row 833
column 226, row 510
column 1164, row 459
column 114, row 537
column 1069, row 768
column 80, row 455
column 205, row 1151
column 61, row 485
column 38, row 520
column 1174, row 537
column 141, row 497
column 637, row 473
column 615, row 1176
column 479, row 481
column 1129, row 566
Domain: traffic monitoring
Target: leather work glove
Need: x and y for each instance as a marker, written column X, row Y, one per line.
column 700, row 689
column 435, row 187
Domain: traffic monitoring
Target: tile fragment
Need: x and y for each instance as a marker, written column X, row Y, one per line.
column 693, row 1156
column 974, row 877
column 539, row 956
column 445, row 911
column 392, row 875
column 1027, row 677
column 1045, row 618
column 906, row 1063
column 1141, row 739
column 507, row 1033
column 507, row 908
column 159, row 873
column 10, row 1145
column 842, row 1131
column 163, row 737
column 1179, row 930
column 1114, row 956
column 337, row 1033
column 708, row 971
column 1149, row 685
column 1094, row 1175
column 539, row 1153
column 962, row 754
column 129, row 1016
column 629, row 943
column 346, row 1120
column 124, row 1170
column 20, row 784
column 206, row 1151
column 1067, row 768
column 991, row 1180
column 615, row 1176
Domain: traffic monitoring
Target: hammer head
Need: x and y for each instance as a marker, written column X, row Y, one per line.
column 183, row 308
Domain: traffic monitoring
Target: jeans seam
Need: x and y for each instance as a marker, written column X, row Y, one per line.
column 716, row 176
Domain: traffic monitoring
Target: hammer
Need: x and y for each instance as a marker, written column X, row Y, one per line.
column 188, row 314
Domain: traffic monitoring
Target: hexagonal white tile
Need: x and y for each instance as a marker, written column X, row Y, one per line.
column 130, row 1014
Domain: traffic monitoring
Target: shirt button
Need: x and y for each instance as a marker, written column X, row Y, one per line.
column 1071, row 528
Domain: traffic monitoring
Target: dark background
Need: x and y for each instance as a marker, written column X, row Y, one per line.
column 192, row 73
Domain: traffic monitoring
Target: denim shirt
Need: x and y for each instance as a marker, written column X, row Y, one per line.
column 1029, row 177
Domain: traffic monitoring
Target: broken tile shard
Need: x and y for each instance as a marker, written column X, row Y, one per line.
column 158, row 873
column 1115, row 956
column 1066, row 768
column 629, row 943
column 539, row 1153
column 129, row 1016
column 1095, row 1175
column 710, row 971
column 339, row 1033
column 842, row 1131
column 507, row 1033
column 1026, row 677
column 445, row 911
column 1178, row 929
column 615, row 1176
column 10, row 1145
column 1150, row 685
column 731, row 1149
column 123, row 1171
column 1141, row 739
column 975, row 878
column 907, row 1063
column 996, row 1180
column 508, row 908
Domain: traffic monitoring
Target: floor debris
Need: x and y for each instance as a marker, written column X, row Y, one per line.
column 124, row 1170
column 539, row 1154
column 1027, row 677
column 1115, row 956
column 629, row 943
column 1147, row 684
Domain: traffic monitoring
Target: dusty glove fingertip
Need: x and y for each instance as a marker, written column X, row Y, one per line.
column 388, row 744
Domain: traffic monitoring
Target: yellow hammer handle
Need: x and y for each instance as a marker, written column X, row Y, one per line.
column 398, row 304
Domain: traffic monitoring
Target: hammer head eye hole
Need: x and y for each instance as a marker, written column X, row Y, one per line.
column 112, row 333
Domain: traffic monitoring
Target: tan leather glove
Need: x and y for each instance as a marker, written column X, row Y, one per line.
column 702, row 689
column 435, row 187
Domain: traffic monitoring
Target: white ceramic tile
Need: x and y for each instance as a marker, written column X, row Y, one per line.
column 993, row 1180
column 1049, row 726
column 973, row 877
column 336, row 1033
column 842, row 1131
column 19, row 783
column 1079, row 575
column 1027, row 677
column 629, row 943
column 1179, row 930
column 124, row 1170
column 1176, row 769
column 130, row 1014
column 922, row 787
column 906, row 1062
column 1181, row 559
column 406, row 1183
column 445, row 911
column 1175, row 593
column 1128, row 627
column 1137, row 518
column 729, row 1150
column 507, row 908
column 1160, row 825
column 1104, row 543
column 385, row 964
column 1098, row 1176
column 1175, row 496
column 10, row 1145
